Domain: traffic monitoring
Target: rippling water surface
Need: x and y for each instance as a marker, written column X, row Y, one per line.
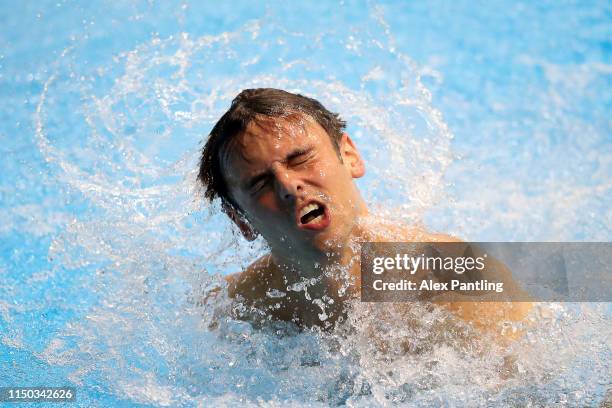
column 488, row 121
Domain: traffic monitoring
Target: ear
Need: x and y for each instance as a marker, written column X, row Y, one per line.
column 351, row 157
column 248, row 232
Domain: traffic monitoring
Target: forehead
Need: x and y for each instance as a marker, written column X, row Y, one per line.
column 271, row 134
column 267, row 139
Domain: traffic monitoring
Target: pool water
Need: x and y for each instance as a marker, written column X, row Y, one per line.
column 490, row 121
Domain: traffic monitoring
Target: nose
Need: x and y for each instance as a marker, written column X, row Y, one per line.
column 288, row 185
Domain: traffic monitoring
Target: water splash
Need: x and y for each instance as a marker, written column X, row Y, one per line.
column 123, row 137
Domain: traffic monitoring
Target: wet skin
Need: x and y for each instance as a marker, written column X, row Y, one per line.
column 275, row 170
column 284, row 165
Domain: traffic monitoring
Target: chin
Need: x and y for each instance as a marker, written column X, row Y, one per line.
column 330, row 241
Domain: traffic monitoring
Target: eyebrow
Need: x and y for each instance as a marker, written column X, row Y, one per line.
column 300, row 151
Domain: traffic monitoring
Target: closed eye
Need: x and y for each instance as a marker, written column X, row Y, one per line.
column 259, row 186
column 295, row 158
column 299, row 156
column 258, row 183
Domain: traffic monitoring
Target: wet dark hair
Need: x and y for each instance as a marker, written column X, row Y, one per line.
column 251, row 105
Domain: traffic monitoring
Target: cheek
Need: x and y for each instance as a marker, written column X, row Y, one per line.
column 325, row 170
column 264, row 209
column 332, row 174
column 266, row 202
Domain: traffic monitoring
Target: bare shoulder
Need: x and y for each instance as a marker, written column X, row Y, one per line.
column 254, row 281
column 386, row 231
column 419, row 234
column 486, row 315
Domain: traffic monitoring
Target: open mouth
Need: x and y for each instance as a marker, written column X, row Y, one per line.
column 313, row 216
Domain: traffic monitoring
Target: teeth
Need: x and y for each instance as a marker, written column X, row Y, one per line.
column 309, row 208
column 317, row 219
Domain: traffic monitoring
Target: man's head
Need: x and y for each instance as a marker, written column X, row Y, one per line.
column 283, row 167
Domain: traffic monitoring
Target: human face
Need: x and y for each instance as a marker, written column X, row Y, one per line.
column 288, row 179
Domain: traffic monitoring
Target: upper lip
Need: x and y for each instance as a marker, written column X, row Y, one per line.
column 299, row 209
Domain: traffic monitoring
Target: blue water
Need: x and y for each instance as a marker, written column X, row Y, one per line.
column 487, row 120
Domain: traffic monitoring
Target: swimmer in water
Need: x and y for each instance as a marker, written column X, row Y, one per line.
column 284, row 168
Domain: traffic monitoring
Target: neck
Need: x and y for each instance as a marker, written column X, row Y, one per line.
column 331, row 271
